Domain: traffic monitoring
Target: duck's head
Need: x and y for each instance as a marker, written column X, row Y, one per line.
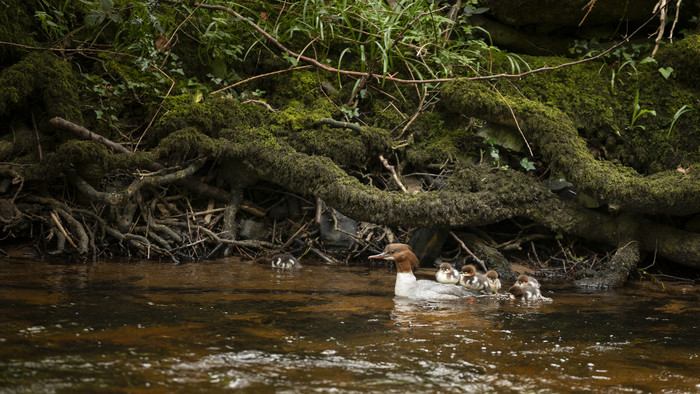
column 515, row 291
column 401, row 254
column 468, row 270
column 522, row 280
column 491, row 275
column 446, row 267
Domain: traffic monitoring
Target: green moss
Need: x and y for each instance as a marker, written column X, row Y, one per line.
column 434, row 142
column 684, row 57
column 553, row 133
column 303, row 86
column 92, row 160
column 296, row 116
column 209, row 117
column 44, row 76
column 15, row 23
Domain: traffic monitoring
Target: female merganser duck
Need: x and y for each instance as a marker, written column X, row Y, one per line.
column 473, row 280
column 406, row 283
column 447, row 274
column 494, row 282
column 527, row 293
column 527, row 280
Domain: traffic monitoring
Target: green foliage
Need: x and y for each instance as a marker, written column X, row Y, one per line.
column 666, row 71
column 637, row 111
column 411, row 36
column 527, row 164
column 682, row 110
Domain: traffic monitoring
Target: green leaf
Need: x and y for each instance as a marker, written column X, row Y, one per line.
column 666, row 72
column 95, row 18
column 527, row 164
column 107, row 5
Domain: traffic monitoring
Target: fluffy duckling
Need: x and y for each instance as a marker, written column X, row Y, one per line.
column 447, row 274
column 527, row 280
column 473, row 280
column 284, row 261
column 527, row 293
column 494, row 282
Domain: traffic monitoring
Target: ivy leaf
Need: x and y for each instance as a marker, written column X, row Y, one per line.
column 666, row 72
column 527, row 164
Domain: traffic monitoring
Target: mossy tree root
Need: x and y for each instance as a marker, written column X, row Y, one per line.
column 557, row 140
column 500, row 195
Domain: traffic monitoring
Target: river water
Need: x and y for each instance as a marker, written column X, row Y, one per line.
column 232, row 325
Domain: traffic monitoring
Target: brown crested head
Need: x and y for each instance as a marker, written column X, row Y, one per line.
column 469, row 270
column 446, row 267
column 491, row 274
column 516, row 291
column 402, row 255
column 523, row 279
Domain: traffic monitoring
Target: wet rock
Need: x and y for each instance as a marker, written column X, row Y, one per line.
column 252, row 229
column 337, row 239
column 427, row 244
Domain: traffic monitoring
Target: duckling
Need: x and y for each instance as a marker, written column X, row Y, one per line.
column 527, row 293
column 447, row 274
column 281, row 260
column 494, row 282
column 284, row 261
column 527, row 280
column 473, row 280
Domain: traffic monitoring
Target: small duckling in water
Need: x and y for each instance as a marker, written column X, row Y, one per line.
column 527, row 280
column 494, row 282
column 526, row 292
column 473, row 280
column 284, row 261
column 447, row 274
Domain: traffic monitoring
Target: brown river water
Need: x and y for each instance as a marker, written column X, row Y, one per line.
column 231, row 325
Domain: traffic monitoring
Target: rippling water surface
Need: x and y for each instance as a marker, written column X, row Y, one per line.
column 234, row 325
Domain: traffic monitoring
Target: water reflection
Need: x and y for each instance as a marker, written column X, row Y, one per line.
column 229, row 324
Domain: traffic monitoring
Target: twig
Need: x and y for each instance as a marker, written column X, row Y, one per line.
column 167, row 44
column 57, row 221
column 675, row 20
column 419, row 111
column 466, row 249
column 590, row 7
column 260, row 102
column 662, row 7
column 393, row 173
column 82, row 132
column 318, row 253
column 160, row 106
column 293, row 237
column 260, row 76
column 36, row 132
column 339, row 124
